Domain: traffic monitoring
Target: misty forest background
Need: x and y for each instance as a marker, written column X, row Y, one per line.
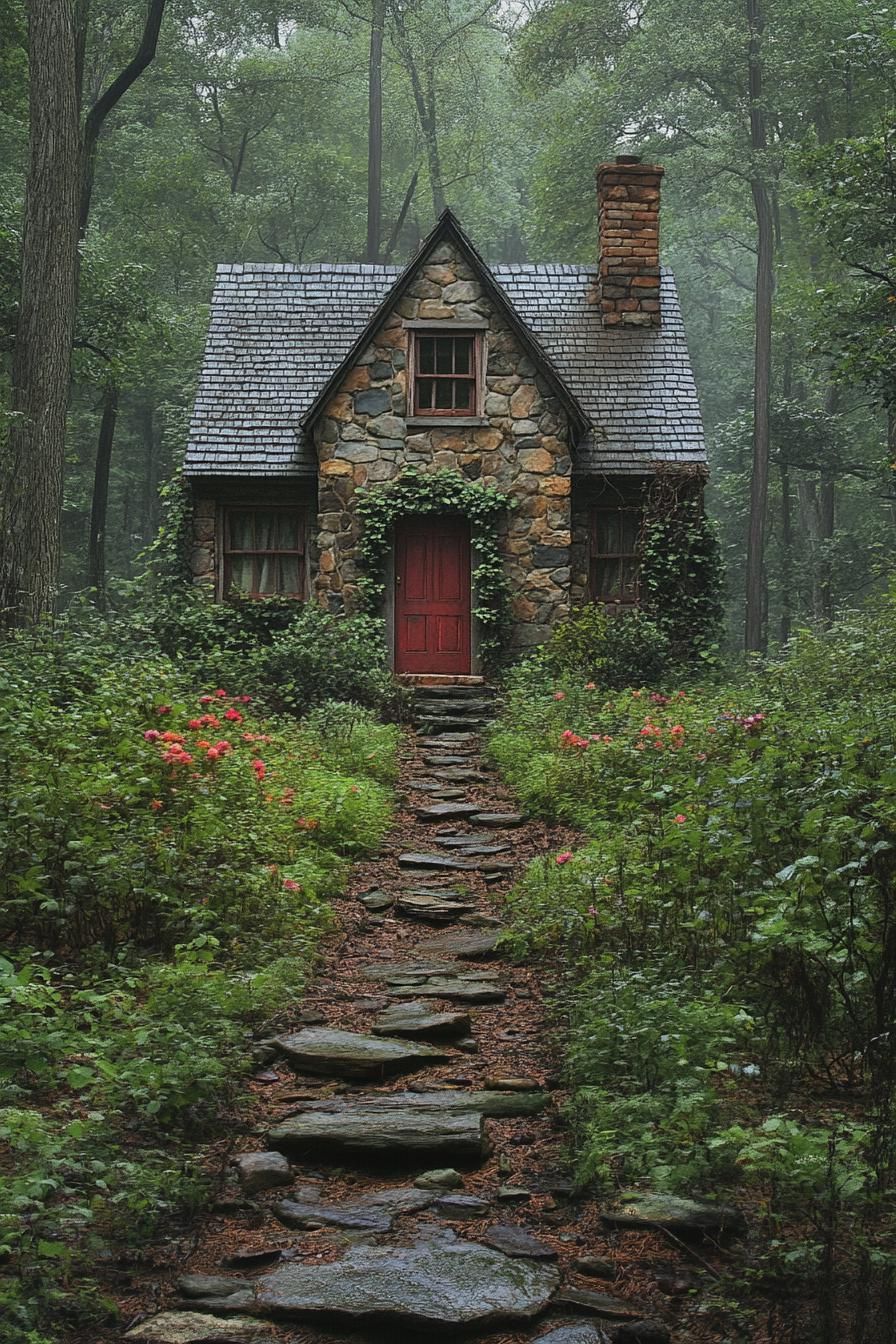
column 247, row 137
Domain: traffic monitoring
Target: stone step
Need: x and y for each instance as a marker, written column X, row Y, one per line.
column 469, row 705
column 348, row 1054
column 435, row 861
column 417, row 1019
column 441, row 761
column 504, row 821
column 449, row 742
column 438, row 1283
column 447, row 811
column 454, row 693
column 467, row 946
column 416, row 905
column 435, row 727
column 399, row 1131
column 492, row 1104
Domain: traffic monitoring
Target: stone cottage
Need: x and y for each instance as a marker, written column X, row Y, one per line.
column 563, row 386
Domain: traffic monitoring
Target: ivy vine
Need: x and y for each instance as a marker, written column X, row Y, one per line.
column 681, row 570
column 440, row 491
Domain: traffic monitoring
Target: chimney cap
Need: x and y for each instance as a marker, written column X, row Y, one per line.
column 628, row 158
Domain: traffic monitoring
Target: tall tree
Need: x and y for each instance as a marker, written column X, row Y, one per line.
column 31, row 478
column 375, row 132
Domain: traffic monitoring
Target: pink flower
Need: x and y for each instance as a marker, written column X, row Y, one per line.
column 289, row 885
column 590, row 686
column 679, row 818
column 152, row 735
column 220, row 693
column 233, row 715
column 163, row 709
column 260, row 770
column 564, row 857
column 559, row 695
column 206, row 699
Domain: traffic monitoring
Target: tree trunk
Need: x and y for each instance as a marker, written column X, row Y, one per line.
column 826, row 522
column 754, row 630
column 31, row 493
column 96, row 542
column 151, row 473
column 425, row 103
column 375, row 133
column 786, row 556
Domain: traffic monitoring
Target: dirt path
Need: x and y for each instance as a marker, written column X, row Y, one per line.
column 349, row 1140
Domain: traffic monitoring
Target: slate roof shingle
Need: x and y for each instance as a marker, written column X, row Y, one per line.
column 277, row 333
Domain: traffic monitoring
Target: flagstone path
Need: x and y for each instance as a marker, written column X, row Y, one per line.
column 406, row 1173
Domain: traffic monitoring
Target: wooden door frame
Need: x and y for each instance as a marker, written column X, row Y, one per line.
column 389, row 594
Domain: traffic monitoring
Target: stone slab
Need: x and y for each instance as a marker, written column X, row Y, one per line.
column 467, row 946
column 444, row 1102
column 397, row 1131
column 446, row 811
column 498, row 820
column 304, row 1214
column 517, row 1242
column 448, row 1285
column 452, row 987
column 434, row 861
column 418, row 1020
column 684, row 1217
column 348, row 1054
column 438, row 910
column 193, row 1327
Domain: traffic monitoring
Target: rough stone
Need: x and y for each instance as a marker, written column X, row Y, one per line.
column 210, row 1285
column 440, row 1283
column 684, row 1217
column 517, row 1242
column 447, row 811
column 376, row 900
column 467, row 946
column 398, row 1131
column 427, row 906
column 594, row 1267
column 416, row 1019
column 411, row 860
column 348, row 1054
column 262, row 1171
column 461, row 1207
column 498, row 820
column 441, row 1178
column 351, row 1217
column 598, row 1304
column 192, row 1327
column 448, row 987
column 583, row 1332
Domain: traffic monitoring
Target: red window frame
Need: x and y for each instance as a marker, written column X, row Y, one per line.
column 628, row 560
column 259, row 554
column 431, row 378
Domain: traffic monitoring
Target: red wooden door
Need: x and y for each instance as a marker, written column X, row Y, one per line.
column 432, row 595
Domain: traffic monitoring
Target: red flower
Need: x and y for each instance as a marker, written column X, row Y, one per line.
column 564, row 857
column 234, row 716
column 163, row 709
column 244, row 699
column 221, row 693
column 679, row 819
column 590, row 686
column 176, row 755
column 290, row 885
column 206, row 699
column 157, row 804
column 195, row 723
column 559, row 695
column 260, row 770
column 172, row 736
column 213, row 753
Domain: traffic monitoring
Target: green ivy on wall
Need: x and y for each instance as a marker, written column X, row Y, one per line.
column 440, row 491
column 681, row 571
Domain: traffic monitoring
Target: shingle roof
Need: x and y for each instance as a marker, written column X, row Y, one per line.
column 277, row 332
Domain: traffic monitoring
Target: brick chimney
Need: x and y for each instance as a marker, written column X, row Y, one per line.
column 628, row 200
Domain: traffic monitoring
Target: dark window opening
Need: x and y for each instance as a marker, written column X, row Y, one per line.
column 445, row 375
column 615, row 563
column 264, row 552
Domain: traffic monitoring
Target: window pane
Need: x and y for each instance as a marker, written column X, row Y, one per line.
column 608, row 580
column 289, row 575
column 444, row 354
column 288, row 531
column 628, row 585
column 241, row 573
column 425, row 388
column 265, row 530
column 463, row 350
column 444, row 399
column 241, row 531
column 267, row 574
column 608, row 533
column 463, row 395
column 426, row 351
column 630, row 526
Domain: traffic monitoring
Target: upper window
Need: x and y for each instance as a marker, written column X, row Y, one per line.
column 615, row 555
column 264, row 552
column 445, row 374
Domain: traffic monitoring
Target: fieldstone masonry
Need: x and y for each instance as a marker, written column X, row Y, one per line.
column 520, row 445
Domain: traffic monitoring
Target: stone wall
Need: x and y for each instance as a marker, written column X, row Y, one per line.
column 520, row 445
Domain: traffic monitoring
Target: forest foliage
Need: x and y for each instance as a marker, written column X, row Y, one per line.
column 231, row 147
column 167, row 864
column 726, row 935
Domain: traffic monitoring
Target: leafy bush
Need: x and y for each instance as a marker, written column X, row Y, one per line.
column 623, row 650
column 726, row 934
column 288, row 656
column 166, row 863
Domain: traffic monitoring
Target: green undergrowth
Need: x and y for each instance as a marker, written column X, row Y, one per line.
column 167, row 862
column 726, row 931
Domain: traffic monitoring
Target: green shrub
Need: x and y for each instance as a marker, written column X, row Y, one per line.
column 628, row 649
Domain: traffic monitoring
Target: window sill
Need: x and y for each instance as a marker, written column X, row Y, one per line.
column 446, row 421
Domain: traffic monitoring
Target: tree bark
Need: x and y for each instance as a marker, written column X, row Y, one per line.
column 754, row 629
column 425, row 103
column 31, row 493
column 826, row 522
column 786, row 555
column 375, row 133
column 96, row 542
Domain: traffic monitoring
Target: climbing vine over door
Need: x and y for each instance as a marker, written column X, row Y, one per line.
column 441, row 491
